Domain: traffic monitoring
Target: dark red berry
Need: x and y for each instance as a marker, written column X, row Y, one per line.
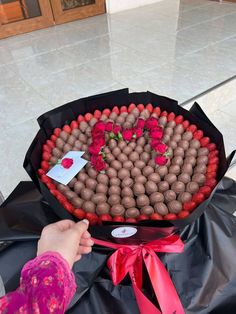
column 118, row 219
column 142, row 217
column 189, row 206
column 79, row 213
column 198, row 134
column 57, row 131
column 156, row 216
column 170, row 217
column 74, row 124
column 198, row 198
column 92, row 218
column 149, row 107
column 131, row 220
column 179, row 119
column 185, row 124
column 192, row 128
column 164, row 113
column 50, row 144
column 183, row 214
column 211, row 146
column 171, row 117
column 204, row 141
column 66, row 128
column 45, row 165
column 46, row 156
column 206, row 190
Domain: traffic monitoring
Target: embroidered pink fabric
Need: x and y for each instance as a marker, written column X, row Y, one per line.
column 47, row 285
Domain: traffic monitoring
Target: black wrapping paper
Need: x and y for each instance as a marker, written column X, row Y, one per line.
column 204, row 275
column 66, row 113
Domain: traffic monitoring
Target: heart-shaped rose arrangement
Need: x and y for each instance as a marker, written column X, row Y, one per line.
column 143, row 164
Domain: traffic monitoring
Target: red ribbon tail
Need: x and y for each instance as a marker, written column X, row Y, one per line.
column 163, row 286
column 145, row 306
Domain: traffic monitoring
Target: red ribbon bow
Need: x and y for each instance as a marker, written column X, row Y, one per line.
column 129, row 259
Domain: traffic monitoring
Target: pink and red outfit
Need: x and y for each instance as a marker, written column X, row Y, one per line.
column 47, row 285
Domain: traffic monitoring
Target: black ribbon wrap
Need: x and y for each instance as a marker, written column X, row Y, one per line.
column 204, row 274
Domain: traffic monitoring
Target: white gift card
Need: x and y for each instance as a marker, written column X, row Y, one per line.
column 64, row 175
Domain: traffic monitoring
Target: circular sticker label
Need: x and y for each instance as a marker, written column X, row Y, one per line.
column 123, row 232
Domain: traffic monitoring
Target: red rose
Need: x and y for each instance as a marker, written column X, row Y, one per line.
column 151, row 123
column 67, row 163
column 99, row 141
column 138, row 132
column 116, row 129
column 160, row 147
column 154, row 142
column 140, row 123
column 127, row 134
column 99, row 126
column 98, row 163
column 94, row 150
column 109, row 126
column 156, row 133
column 96, row 145
column 93, row 159
column 96, row 133
column 161, row 160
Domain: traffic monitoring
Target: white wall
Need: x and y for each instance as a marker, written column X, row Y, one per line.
column 120, row 5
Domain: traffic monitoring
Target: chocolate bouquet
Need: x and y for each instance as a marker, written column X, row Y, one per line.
column 147, row 160
column 150, row 171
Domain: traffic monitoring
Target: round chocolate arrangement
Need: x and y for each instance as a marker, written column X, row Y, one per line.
column 143, row 163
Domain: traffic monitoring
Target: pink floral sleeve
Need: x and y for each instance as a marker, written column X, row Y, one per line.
column 47, row 285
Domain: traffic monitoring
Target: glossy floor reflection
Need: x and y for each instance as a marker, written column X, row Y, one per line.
column 177, row 48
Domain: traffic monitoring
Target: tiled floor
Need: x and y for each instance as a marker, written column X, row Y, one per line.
column 178, row 48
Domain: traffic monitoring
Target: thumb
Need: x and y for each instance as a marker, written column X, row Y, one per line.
column 81, row 226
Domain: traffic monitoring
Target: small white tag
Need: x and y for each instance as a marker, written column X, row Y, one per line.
column 123, row 232
column 63, row 175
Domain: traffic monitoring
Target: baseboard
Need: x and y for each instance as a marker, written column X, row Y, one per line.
column 113, row 6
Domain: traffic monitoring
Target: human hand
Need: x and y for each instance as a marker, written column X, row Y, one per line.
column 68, row 238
